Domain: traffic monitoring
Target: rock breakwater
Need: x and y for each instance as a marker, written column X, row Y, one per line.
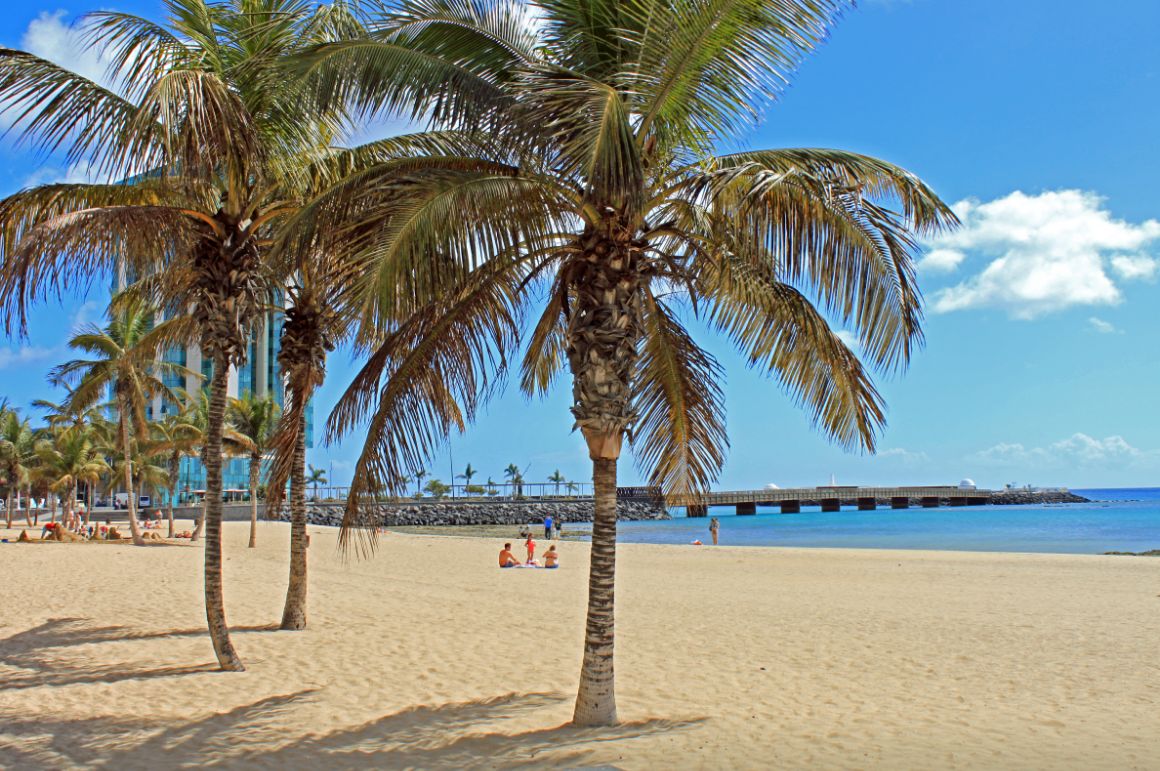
column 483, row 513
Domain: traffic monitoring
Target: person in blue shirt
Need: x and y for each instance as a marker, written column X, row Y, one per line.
column 548, row 528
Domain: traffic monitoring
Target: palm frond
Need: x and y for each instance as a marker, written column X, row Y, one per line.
column 783, row 334
column 679, row 438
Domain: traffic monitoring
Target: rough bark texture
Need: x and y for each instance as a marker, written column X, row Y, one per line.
column 294, row 613
column 126, row 453
column 604, row 328
column 215, row 611
column 255, row 469
column 9, row 505
column 596, row 699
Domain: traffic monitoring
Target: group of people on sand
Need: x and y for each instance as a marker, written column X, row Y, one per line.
column 551, row 557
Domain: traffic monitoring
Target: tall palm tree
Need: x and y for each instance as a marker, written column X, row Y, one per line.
column 557, row 478
column 205, row 138
column 124, row 360
column 315, row 478
column 17, row 455
column 514, row 477
column 577, row 141
column 319, row 314
column 255, row 418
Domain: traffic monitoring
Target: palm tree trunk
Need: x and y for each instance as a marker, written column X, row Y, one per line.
column 9, row 507
column 28, row 507
column 603, row 331
column 255, row 469
column 294, row 614
column 174, row 468
column 131, row 502
column 596, row 699
column 215, row 611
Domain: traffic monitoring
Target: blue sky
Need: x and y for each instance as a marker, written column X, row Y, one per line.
column 1037, row 120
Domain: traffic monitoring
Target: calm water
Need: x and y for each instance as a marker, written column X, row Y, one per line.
column 1116, row 520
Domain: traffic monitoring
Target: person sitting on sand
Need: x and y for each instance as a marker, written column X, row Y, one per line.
column 530, row 545
column 47, row 531
column 506, row 558
column 551, row 558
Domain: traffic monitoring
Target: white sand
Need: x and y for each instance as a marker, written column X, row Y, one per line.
column 428, row 656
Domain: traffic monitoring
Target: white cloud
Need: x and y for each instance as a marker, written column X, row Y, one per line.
column 1046, row 252
column 1130, row 267
column 941, row 260
column 50, row 37
column 1078, row 449
column 906, row 457
column 77, row 173
column 1101, row 326
column 849, row 338
column 15, row 358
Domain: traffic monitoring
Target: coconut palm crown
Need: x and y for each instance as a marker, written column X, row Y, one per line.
column 572, row 170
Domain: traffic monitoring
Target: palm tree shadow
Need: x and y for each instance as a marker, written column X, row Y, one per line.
column 37, row 654
column 459, row 735
column 206, row 741
column 447, row 736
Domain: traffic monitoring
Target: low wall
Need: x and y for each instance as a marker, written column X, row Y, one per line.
column 485, row 513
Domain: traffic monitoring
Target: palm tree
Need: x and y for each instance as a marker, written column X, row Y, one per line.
column 316, row 477
column 17, row 455
column 515, row 479
column 571, row 487
column 558, row 479
column 466, row 476
column 254, row 418
column 68, row 459
column 576, row 140
column 419, row 475
column 177, row 435
column 125, row 361
column 206, row 139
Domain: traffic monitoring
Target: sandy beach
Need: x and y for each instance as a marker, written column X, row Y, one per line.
column 428, row 656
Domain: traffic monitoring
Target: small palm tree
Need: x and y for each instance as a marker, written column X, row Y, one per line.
column 177, row 436
column 17, row 455
column 419, row 476
column 558, row 479
column 254, row 419
column 571, row 487
column 125, row 360
column 67, row 460
column 466, row 476
column 316, row 477
column 515, row 479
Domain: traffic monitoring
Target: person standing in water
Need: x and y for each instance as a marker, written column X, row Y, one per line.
column 714, row 526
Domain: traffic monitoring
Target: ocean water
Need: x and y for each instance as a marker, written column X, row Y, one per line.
column 1123, row 519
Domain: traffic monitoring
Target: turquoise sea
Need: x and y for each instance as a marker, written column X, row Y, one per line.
column 1124, row 519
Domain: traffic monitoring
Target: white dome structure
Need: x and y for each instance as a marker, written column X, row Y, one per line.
column 967, row 484
column 772, row 486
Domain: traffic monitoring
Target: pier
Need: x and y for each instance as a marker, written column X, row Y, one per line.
column 791, row 500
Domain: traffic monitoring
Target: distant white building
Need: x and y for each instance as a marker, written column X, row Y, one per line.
column 967, row 484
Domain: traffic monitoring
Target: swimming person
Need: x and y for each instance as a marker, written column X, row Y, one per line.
column 506, row 558
column 551, row 558
column 714, row 526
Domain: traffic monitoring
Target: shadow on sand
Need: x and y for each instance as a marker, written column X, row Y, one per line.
column 41, row 654
column 447, row 736
column 266, row 733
